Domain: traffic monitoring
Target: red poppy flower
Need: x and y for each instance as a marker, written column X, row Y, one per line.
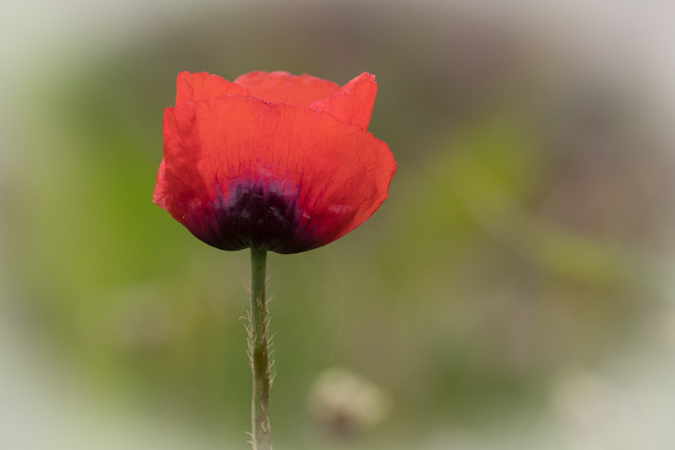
column 272, row 161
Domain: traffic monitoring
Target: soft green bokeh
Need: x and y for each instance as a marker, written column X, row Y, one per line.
column 520, row 245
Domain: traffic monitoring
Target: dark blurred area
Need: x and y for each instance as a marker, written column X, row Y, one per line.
column 513, row 292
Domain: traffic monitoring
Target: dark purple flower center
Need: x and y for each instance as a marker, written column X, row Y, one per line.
column 261, row 214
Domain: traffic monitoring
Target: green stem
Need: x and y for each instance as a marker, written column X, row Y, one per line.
column 258, row 349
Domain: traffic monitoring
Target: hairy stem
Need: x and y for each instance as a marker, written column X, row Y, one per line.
column 259, row 353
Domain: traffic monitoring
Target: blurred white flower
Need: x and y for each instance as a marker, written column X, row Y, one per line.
column 344, row 403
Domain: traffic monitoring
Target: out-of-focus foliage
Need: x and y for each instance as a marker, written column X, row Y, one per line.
column 516, row 247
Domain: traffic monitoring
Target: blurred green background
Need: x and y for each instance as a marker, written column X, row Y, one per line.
column 513, row 292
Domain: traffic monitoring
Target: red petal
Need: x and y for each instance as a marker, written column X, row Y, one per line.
column 282, row 87
column 354, row 103
column 162, row 195
column 341, row 172
column 201, row 86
